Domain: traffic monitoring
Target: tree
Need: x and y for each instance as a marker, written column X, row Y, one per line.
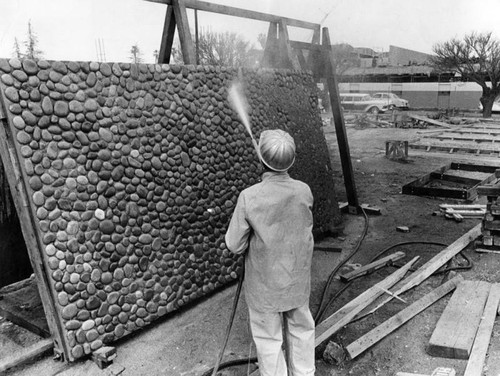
column 223, row 49
column 31, row 45
column 343, row 58
column 31, row 50
column 156, row 55
column 475, row 58
column 135, row 54
column 262, row 39
column 17, row 50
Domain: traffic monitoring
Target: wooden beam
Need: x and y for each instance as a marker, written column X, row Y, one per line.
column 187, row 45
column 456, row 329
column 167, row 38
column 26, row 355
column 371, row 267
column 343, row 316
column 22, row 322
column 342, row 141
column 478, row 355
column 308, row 46
column 239, row 12
column 315, row 54
column 372, row 337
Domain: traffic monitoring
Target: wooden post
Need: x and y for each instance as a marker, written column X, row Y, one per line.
column 11, row 157
column 313, row 54
column 167, row 38
column 187, row 46
column 338, row 118
column 287, row 60
column 269, row 57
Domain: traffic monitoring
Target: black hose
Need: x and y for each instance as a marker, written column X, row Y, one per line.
column 230, row 324
column 231, row 363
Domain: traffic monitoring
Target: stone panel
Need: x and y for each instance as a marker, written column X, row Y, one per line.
column 133, row 173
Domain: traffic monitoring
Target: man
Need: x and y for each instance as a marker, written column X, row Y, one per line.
column 273, row 221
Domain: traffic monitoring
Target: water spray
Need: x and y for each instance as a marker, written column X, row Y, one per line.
column 238, row 102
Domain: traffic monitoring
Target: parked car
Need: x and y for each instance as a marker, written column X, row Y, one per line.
column 392, row 100
column 363, row 102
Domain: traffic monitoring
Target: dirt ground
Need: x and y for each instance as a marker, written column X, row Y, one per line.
column 187, row 343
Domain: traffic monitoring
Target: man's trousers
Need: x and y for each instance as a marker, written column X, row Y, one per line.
column 267, row 332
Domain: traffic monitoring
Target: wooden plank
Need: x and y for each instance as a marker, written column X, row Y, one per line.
column 368, row 340
column 371, row 267
column 430, row 121
column 429, row 267
column 340, row 129
column 461, row 207
column 456, row 179
column 239, row 12
column 167, row 38
column 477, row 358
column 26, row 355
column 187, row 45
column 343, row 316
column 456, row 329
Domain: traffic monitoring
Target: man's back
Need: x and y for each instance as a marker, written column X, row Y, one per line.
column 278, row 211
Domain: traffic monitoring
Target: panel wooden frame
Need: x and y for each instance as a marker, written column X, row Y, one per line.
column 417, row 187
column 15, row 175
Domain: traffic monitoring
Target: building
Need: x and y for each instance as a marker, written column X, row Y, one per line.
column 409, row 74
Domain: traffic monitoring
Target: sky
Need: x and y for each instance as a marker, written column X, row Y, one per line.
column 105, row 30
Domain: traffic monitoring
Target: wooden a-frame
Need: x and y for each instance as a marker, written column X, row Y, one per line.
column 279, row 52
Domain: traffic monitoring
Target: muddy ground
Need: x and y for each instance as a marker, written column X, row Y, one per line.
column 187, row 343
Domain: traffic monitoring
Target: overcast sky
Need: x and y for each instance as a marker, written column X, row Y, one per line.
column 72, row 29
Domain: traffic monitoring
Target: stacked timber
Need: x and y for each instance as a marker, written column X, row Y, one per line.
column 491, row 221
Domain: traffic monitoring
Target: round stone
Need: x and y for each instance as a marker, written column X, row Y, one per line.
column 23, row 137
column 12, row 94
column 30, row 66
column 61, row 108
column 69, row 311
column 47, row 106
column 87, row 325
column 107, row 226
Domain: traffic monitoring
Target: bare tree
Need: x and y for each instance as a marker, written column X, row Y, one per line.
column 156, row 55
column 224, row 49
column 343, row 58
column 31, row 44
column 475, row 58
column 135, row 54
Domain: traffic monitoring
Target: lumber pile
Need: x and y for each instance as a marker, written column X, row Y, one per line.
column 460, row 212
column 491, row 221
